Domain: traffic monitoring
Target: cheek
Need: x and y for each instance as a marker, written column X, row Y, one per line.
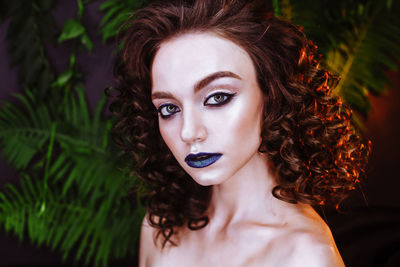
column 245, row 122
column 248, row 131
column 169, row 134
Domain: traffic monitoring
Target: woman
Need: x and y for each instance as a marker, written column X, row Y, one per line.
column 235, row 133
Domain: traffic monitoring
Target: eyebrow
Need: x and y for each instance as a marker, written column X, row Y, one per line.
column 200, row 84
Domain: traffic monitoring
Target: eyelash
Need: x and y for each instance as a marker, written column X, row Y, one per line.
column 160, row 109
column 227, row 99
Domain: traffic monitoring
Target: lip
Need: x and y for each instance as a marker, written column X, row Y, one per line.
column 206, row 159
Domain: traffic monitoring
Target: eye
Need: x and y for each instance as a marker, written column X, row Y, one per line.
column 218, row 99
column 167, row 110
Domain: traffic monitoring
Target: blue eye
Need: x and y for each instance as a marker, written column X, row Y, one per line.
column 218, row 99
column 167, row 110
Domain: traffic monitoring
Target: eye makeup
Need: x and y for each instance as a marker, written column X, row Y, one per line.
column 167, row 110
column 218, row 99
column 214, row 100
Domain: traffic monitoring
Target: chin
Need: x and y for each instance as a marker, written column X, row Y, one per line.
column 208, row 180
column 205, row 182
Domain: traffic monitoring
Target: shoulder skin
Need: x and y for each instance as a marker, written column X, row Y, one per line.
column 147, row 246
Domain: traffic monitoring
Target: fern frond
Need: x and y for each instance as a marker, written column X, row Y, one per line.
column 367, row 55
column 81, row 193
column 116, row 14
column 23, row 132
column 69, row 223
column 30, row 23
column 359, row 40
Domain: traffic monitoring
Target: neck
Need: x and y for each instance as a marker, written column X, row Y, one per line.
column 247, row 194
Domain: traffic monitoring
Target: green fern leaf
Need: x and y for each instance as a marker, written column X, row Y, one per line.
column 77, row 194
column 23, row 134
column 359, row 41
column 116, row 13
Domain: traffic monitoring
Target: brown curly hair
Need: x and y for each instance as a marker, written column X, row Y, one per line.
column 306, row 131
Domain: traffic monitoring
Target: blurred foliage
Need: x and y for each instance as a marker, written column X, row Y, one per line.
column 359, row 40
column 116, row 13
column 30, row 23
column 73, row 194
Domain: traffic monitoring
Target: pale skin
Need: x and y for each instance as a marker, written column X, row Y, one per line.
column 206, row 91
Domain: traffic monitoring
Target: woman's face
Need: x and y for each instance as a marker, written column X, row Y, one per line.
column 210, row 106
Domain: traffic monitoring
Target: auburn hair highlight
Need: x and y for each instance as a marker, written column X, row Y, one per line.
column 307, row 132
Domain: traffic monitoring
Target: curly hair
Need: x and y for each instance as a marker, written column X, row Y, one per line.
column 306, row 133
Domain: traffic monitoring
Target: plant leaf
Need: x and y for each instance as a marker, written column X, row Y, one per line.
column 72, row 29
column 85, row 40
column 359, row 41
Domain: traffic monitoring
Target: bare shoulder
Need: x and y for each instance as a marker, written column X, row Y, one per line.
column 311, row 243
column 152, row 251
column 309, row 249
column 147, row 247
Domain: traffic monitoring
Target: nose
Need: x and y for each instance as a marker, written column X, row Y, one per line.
column 193, row 130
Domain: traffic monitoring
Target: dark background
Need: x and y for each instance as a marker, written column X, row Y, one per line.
column 367, row 233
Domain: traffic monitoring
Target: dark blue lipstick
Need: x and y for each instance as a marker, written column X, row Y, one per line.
column 201, row 160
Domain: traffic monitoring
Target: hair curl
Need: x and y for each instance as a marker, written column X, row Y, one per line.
column 306, row 131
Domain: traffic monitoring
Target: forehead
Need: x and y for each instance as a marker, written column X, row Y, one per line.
column 182, row 61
